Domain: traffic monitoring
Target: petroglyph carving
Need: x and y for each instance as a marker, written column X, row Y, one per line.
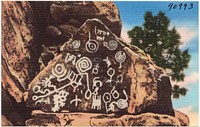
column 76, row 44
column 110, row 73
column 120, row 57
column 46, row 101
column 71, row 58
column 96, row 85
column 47, row 82
column 106, row 99
column 107, row 61
column 75, row 79
column 96, row 102
column 83, row 64
column 37, row 89
column 91, row 45
column 75, row 100
column 95, row 70
column 59, row 100
column 114, row 93
column 97, row 60
column 59, row 71
column 101, row 32
column 111, row 45
column 99, row 38
column 121, row 103
column 97, row 82
column 119, row 79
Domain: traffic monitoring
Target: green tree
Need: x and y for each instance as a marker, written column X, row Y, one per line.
column 177, row 91
column 162, row 44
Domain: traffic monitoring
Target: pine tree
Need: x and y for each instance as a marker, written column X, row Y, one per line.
column 177, row 91
column 162, row 44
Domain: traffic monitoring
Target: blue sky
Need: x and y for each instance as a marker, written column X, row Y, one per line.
column 186, row 23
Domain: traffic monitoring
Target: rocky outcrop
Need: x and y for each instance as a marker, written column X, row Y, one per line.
column 17, row 42
column 87, row 119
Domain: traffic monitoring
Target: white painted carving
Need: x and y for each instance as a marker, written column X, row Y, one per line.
column 83, row 64
column 79, row 55
column 96, row 102
column 47, row 82
column 59, row 71
column 114, row 93
column 76, row 44
column 37, row 89
column 111, row 45
column 119, row 79
column 99, row 38
column 101, row 32
column 75, row 79
column 110, row 73
column 106, row 99
column 43, row 100
column 95, row 70
column 75, row 100
column 71, row 58
column 111, row 107
column 96, row 85
column 91, row 45
column 107, row 61
column 88, row 92
column 120, row 57
column 122, row 103
column 59, row 100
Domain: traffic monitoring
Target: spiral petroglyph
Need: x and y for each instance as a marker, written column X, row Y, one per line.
column 120, row 57
column 83, row 64
column 76, row 44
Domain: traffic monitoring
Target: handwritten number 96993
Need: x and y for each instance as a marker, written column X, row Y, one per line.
column 181, row 6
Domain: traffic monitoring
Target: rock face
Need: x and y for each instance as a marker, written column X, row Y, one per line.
column 17, row 39
column 96, row 72
column 86, row 119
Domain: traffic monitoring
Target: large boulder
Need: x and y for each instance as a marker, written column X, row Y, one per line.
column 97, row 72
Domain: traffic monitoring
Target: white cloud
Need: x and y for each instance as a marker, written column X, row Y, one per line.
column 186, row 35
column 193, row 116
column 191, row 79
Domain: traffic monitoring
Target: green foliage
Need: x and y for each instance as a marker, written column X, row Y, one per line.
column 177, row 91
column 162, row 44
